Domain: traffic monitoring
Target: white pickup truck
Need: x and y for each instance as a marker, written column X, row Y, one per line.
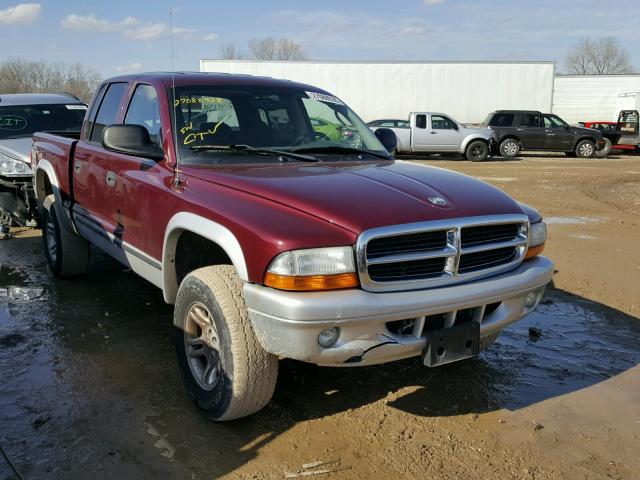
column 431, row 132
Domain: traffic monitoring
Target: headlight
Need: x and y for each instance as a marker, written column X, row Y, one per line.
column 313, row 269
column 537, row 238
column 10, row 167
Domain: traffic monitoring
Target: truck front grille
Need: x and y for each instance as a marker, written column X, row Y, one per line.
column 429, row 254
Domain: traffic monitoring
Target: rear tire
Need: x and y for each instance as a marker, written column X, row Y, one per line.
column 606, row 150
column 509, row 148
column 67, row 253
column 585, row 149
column 226, row 371
column 477, row 151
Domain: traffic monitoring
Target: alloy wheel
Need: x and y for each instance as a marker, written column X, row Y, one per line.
column 202, row 346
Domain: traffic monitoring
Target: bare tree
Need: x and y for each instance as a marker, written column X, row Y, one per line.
column 270, row 48
column 21, row 76
column 229, row 51
column 604, row 56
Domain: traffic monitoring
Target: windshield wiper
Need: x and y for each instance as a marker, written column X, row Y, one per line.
column 262, row 151
column 340, row 149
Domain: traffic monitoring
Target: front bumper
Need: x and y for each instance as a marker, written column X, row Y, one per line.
column 288, row 323
column 17, row 201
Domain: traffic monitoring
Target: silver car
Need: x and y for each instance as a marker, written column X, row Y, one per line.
column 433, row 132
column 21, row 115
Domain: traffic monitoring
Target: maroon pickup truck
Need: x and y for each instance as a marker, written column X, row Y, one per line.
column 275, row 240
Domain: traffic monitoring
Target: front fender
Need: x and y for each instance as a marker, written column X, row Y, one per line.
column 470, row 138
column 190, row 222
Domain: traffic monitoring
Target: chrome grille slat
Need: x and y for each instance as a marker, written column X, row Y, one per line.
column 408, row 257
column 473, row 248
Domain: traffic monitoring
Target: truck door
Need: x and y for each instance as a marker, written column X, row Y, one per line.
column 139, row 183
column 530, row 131
column 419, row 133
column 444, row 135
column 628, row 126
column 556, row 134
column 93, row 180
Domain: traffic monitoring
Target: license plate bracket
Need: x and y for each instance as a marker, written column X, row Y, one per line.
column 452, row 344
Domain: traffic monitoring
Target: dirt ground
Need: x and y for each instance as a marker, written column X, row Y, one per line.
column 90, row 386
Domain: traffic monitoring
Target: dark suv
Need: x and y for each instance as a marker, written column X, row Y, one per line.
column 530, row 130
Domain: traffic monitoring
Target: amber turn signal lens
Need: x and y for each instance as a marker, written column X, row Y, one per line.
column 311, row 282
column 534, row 251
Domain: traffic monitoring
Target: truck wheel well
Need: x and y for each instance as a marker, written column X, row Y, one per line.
column 507, row 137
column 592, row 139
column 43, row 186
column 194, row 251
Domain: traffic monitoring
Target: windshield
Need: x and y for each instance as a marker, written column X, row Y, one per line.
column 22, row 121
column 265, row 117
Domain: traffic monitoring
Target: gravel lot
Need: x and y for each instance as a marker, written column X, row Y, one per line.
column 90, row 387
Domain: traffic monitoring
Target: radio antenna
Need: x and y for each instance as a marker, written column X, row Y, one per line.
column 173, row 94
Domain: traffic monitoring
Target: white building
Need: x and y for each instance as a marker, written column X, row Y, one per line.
column 578, row 98
column 468, row 91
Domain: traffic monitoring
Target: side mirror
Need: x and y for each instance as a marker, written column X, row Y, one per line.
column 131, row 140
column 388, row 138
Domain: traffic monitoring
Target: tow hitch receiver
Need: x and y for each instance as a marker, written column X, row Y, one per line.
column 452, row 344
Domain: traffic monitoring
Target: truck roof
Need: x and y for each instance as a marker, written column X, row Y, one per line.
column 20, row 99
column 211, row 78
column 517, row 111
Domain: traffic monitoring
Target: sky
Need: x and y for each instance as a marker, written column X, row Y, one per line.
column 119, row 36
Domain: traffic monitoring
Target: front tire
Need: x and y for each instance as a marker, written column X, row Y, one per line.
column 509, row 148
column 226, row 371
column 67, row 253
column 477, row 151
column 585, row 149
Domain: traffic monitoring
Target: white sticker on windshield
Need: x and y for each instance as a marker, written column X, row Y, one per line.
column 323, row 97
column 76, row 107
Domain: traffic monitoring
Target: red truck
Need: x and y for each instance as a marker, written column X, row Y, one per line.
column 274, row 240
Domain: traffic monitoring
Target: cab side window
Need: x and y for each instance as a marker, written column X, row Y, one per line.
column 108, row 110
column 552, row 122
column 91, row 115
column 144, row 110
column 529, row 120
column 421, row 121
column 439, row 122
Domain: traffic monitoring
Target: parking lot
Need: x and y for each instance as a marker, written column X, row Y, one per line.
column 91, row 388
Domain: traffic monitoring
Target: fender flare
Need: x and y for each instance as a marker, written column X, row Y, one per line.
column 215, row 232
column 45, row 168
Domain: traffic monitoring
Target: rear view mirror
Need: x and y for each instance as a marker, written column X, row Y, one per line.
column 131, row 140
column 388, row 138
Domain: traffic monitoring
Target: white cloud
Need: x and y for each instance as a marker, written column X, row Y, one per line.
column 148, row 31
column 20, row 14
column 91, row 22
column 209, row 37
column 133, row 28
column 130, row 68
column 433, row 2
column 411, row 30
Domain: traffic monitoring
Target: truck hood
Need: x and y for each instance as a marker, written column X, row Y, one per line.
column 363, row 195
column 18, row 148
column 585, row 131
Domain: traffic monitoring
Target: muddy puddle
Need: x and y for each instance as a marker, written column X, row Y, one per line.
column 90, row 387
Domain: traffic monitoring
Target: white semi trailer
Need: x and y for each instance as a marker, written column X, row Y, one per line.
column 466, row 90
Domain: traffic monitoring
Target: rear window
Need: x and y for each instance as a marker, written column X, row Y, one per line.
column 500, row 120
column 108, row 110
column 23, row 121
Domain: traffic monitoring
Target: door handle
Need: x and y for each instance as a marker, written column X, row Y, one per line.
column 433, row 133
column 111, row 179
